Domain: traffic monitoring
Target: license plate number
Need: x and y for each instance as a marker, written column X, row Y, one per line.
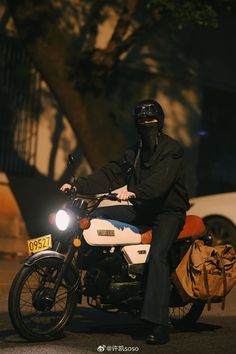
column 39, row 244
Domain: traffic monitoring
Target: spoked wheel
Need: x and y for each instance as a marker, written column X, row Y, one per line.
column 185, row 315
column 33, row 313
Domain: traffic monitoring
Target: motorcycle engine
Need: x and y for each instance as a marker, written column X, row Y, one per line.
column 111, row 281
column 109, row 268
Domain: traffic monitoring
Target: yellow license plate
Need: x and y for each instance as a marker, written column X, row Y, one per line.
column 39, row 244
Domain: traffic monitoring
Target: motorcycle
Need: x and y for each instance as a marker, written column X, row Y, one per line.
column 101, row 260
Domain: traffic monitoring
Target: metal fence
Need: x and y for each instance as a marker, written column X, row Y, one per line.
column 19, row 108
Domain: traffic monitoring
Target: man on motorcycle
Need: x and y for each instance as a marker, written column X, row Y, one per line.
column 153, row 173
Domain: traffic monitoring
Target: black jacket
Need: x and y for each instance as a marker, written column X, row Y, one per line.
column 158, row 185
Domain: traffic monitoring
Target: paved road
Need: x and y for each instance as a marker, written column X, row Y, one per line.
column 215, row 333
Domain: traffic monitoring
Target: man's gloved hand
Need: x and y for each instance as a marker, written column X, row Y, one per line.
column 65, row 187
column 125, row 195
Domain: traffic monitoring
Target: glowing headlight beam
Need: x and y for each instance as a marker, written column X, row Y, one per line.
column 62, row 220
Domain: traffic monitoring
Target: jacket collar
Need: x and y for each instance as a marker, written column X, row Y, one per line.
column 159, row 147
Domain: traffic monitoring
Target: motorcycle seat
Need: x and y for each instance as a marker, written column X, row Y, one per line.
column 193, row 227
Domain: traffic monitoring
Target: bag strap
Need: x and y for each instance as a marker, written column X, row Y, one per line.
column 205, row 279
column 224, row 282
column 193, row 246
column 205, row 276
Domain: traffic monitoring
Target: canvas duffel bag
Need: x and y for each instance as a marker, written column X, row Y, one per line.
column 206, row 273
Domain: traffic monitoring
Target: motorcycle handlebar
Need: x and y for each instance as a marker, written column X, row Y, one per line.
column 95, row 199
column 113, row 197
column 73, row 194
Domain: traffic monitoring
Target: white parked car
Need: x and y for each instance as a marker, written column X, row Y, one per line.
column 219, row 212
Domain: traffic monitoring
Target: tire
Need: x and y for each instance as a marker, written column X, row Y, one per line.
column 36, row 324
column 223, row 230
column 186, row 315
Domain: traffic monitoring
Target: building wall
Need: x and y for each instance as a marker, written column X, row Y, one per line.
column 54, row 142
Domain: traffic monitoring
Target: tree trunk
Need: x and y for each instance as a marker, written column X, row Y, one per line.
column 50, row 50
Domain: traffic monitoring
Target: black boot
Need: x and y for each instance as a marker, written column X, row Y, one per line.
column 159, row 335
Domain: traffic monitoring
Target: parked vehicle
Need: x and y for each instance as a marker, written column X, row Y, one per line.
column 218, row 211
column 102, row 260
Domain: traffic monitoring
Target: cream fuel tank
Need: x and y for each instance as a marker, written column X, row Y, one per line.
column 107, row 232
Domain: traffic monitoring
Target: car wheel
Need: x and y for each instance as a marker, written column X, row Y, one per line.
column 223, row 230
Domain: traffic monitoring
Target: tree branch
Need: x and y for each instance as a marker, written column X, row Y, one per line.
column 122, row 25
column 90, row 28
column 131, row 39
column 108, row 57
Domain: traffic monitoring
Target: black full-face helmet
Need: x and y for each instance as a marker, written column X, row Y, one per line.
column 148, row 109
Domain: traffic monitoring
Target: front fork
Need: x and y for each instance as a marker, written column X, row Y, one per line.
column 72, row 249
column 64, row 268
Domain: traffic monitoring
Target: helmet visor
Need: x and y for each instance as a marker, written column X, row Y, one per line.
column 145, row 112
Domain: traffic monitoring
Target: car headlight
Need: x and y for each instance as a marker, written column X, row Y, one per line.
column 62, row 220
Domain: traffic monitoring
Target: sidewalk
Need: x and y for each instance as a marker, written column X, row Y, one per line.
column 8, row 270
column 12, row 248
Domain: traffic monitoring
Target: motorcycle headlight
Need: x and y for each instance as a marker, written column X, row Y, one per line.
column 63, row 219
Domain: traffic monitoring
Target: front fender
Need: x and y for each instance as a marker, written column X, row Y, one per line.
column 41, row 255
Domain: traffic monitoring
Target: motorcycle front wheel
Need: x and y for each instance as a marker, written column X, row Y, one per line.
column 34, row 316
column 185, row 315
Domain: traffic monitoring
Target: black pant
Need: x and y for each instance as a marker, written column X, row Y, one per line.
column 165, row 227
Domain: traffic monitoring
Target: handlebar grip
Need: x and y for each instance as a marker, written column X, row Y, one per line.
column 112, row 196
column 70, row 190
column 67, row 190
column 132, row 197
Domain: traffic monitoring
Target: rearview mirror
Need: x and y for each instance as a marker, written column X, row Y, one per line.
column 71, row 160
